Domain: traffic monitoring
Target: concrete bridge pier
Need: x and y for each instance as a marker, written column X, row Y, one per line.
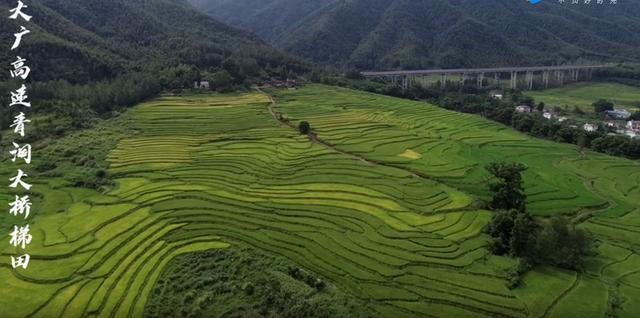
column 480, row 80
column 514, row 79
column 560, row 77
column 529, row 78
column 545, row 79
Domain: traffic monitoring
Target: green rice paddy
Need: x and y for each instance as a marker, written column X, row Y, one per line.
column 582, row 95
column 385, row 208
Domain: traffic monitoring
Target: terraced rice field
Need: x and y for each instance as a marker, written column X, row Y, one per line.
column 384, row 206
column 582, row 95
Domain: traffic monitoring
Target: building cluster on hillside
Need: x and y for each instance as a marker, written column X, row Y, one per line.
column 550, row 114
column 629, row 128
column 615, row 121
column 547, row 113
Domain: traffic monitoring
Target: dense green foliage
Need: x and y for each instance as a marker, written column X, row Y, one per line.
column 243, row 282
column 376, row 34
column 628, row 74
column 508, row 190
column 515, row 232
column 602, row 105
column 91, row 40
column 561, row 244
column 555, row 243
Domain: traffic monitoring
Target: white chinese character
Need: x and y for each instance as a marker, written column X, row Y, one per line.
column 19, row 152
column 20, row 236
column 574, row 1
column 600, row 1
column 587, row 1
column 20, row 261
column 614, row 2
column 19, row 35
column 19, row 69
column 17, row 11
column 17, row 180
column 18, row 124
column 20, row 206
column 19, row 97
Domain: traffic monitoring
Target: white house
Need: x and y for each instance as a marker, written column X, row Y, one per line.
column 523, row 109
column 634, row 125
column 562, row 119
column 202, row 85
column 547, row 115
column 496, row 94
column 590, row 127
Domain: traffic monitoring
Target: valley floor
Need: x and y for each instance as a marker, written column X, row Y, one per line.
column 400, row 232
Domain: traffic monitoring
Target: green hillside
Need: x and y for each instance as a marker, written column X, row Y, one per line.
column 384, row 208
column 376, row 34
column 89, row 40
column 583, row 95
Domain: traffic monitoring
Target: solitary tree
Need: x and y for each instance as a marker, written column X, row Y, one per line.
column 304, row 128
column 508, row 190
column 602, row 106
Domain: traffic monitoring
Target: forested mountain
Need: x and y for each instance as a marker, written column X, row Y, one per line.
column 92, row 58
column 375, row 34
column 88, row 40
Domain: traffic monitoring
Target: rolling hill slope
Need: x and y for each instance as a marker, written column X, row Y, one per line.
column 90, row 40
column 375, row 34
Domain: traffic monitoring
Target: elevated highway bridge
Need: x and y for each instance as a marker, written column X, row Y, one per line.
column 558, row 74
